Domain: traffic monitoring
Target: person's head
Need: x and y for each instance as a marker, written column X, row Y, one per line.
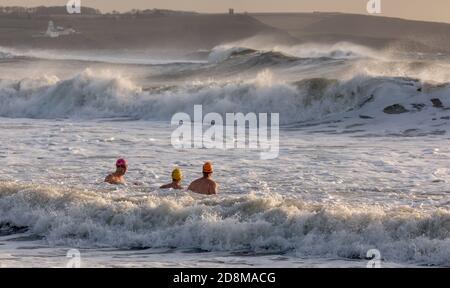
column 121, row 167
column 207, row 169
column 177, row 175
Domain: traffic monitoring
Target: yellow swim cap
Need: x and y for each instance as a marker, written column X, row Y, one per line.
column 208, row 167
column 177, row 174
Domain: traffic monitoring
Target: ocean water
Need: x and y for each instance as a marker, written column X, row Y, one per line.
column 349, row 177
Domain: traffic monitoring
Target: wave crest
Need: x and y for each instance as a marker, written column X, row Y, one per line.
column 93, row 94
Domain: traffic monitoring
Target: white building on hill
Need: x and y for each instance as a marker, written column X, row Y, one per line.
column 53, row 32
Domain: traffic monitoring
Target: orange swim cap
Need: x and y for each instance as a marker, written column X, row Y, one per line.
column 208, row 167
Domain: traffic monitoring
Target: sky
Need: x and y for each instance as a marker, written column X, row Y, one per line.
column 434, row 10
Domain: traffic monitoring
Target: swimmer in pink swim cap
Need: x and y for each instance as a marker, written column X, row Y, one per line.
column 117, row 178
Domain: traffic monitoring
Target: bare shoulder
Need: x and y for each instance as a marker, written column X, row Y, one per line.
column 212, row 183
column 198, row 181
column 194, row 184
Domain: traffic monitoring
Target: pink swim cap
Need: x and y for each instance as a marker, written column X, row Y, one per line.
column 121, row 162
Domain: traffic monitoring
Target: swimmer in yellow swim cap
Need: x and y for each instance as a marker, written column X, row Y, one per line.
column 177, row 176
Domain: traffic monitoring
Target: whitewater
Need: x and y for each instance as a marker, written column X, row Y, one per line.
column 363, row 159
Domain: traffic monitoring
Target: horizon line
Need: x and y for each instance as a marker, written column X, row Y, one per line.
column 102, row 12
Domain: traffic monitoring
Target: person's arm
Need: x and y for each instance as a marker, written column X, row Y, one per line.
column 108, row 179
column 167, row 186
column 215, row 187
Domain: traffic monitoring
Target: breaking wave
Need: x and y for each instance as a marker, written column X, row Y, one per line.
column 259, row 224
column 91, row 95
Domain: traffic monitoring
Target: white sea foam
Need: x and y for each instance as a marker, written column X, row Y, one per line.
column 270, row 223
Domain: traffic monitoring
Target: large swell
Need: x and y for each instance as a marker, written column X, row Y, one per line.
column 94, row 94
column 243, row 224
column 340, row 50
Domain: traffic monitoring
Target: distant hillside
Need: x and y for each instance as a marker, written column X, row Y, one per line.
column 181, row 30
column 158, row 30
column 137, row 12
column 373, row 31
column 62, row 10
column 17, row 11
